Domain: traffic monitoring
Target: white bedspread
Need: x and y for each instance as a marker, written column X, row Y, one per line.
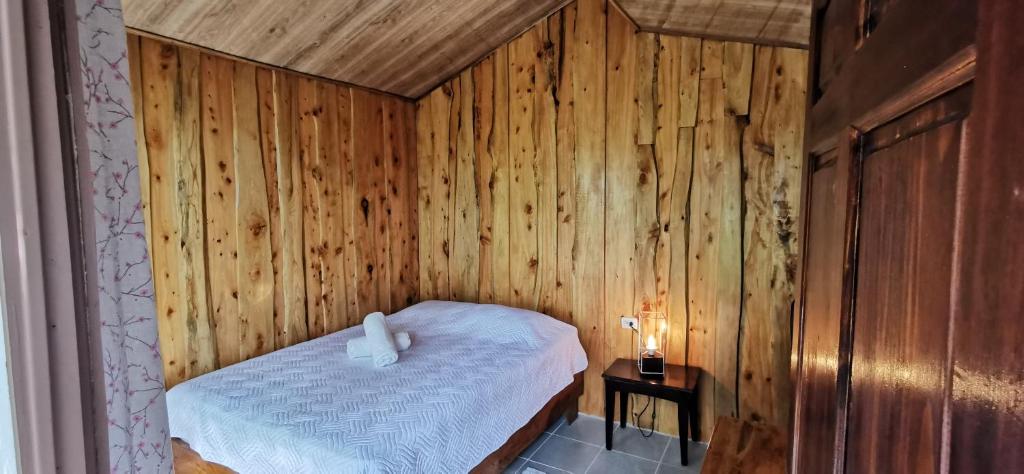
column 474, row 375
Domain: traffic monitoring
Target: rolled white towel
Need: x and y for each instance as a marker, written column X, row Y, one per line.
column 382, row 345
column 359, row 347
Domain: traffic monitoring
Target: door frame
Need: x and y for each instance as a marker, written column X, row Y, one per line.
column 42, row 246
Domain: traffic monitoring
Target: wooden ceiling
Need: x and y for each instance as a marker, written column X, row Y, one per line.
column 775, row 22
column 404, row 47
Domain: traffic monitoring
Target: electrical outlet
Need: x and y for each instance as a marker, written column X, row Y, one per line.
column 628, row 322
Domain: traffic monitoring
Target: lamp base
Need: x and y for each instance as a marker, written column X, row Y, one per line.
column 652, row 367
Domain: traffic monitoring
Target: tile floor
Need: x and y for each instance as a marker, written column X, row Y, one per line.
column 579, row 449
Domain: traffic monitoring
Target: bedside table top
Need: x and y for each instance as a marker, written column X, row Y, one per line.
column 677, row 377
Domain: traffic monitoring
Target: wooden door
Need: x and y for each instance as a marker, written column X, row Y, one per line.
column 902, row 308
column 891, row 100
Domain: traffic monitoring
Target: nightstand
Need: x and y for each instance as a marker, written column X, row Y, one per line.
column 679, row 385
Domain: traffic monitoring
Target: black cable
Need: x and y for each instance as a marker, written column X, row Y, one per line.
column 636, row 416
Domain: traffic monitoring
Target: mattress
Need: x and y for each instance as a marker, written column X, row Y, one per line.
column 474, row 375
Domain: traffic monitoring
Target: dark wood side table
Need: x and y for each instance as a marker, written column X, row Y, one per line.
column 678, row 385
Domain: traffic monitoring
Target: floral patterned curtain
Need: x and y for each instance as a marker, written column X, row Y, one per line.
column 132, row 369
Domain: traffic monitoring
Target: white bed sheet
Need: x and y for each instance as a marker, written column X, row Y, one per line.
column 474, row 375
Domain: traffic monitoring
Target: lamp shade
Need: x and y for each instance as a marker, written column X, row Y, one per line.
column 653, row 332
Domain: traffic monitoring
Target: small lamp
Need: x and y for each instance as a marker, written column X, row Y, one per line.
column 653, row 331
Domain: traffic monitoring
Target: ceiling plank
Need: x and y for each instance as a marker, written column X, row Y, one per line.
column 398, row 46
column 770, row 22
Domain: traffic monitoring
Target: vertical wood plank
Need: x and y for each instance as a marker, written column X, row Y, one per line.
column 291, row 328
column 623, row 174
column 522, row 58
column 715, row 243
column 588, row 305
column 441, row 105
column 646, row 51
column 370, row 221
column 737, row 72
column 679, row 281
column 545, row 119
column 332, row 158
column 665, row 226
column 425, row 201
column 312, row 189
column 255, row 271
column 498, row 150
column 647, row 225
column 268, row 123
column 221, row 240
column 565, row 137
column 348, row 211
column 160, row 75
column 772, row 157
column 483, row 133
column 400, row 169
column 689, row 80
column 454, row 119
column 189, row 217
column 465, row 247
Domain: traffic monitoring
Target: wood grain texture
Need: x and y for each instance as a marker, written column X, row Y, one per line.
column 742, row 446
column 815, row 395
column 405, row 48
column 597, row 126
column 902, row 124
column 252, row 220
column 987, row 390
column 902, row 311
column 773, row 22
column 159, row 98
column 523, row 161
column 220, row 191
column 589, row 105
column 772, row 157
column 249, row 184
column 715, row 245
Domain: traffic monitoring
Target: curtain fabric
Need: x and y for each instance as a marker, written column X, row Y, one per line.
column 133, row 373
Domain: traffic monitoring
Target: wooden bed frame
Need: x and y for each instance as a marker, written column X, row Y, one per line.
column 566, row 402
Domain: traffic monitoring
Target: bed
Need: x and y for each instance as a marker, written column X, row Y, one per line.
column 477, row 385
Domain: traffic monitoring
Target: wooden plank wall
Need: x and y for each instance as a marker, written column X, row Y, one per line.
column 279, row 208
column 585, row 170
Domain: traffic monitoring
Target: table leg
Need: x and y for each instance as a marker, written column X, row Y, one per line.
column 623, row 408
column 682, row 409
column 609, row 414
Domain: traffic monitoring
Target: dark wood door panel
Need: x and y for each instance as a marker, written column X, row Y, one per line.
column 816, row 394
column 874, row 12
column 988, row 378
column 902, row 308
column 920, row 50
column 839, row 28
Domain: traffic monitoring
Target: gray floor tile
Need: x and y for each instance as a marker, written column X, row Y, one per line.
column 537, row 467
column 678, row 469
column 613, row 462
column 694, row 450
column 566, row 454
column 630, row 441
column 515, row 466
column 555, row 425
column 533, row 447
column 588, row 429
